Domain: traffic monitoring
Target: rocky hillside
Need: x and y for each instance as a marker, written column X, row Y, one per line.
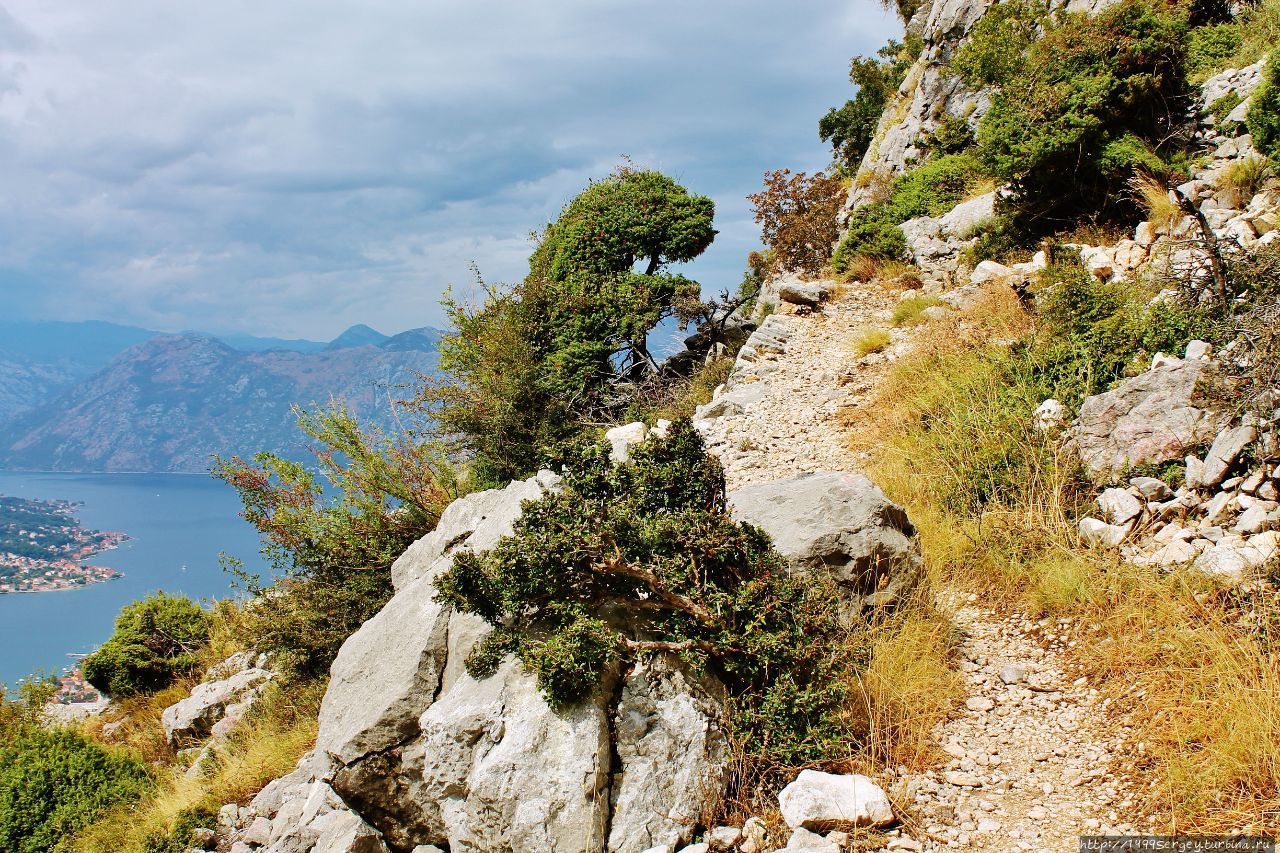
column 172, row 402
column 1023, row 461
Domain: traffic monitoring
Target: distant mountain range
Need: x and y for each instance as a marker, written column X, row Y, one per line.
column 104, row 397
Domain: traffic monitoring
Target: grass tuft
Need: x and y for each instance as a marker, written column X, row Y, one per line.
column 868, row 341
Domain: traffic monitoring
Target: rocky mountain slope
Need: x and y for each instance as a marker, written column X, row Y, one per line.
column 1038, row 744
column 171, row 402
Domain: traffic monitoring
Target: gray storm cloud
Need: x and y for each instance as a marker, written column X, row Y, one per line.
column 293, row 167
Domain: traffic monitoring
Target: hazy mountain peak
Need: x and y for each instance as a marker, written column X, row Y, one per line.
column 358, row 335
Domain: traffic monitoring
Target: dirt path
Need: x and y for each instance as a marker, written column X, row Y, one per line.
column 1030, row 751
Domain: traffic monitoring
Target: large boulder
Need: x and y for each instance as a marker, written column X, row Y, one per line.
column 475, row 522
column 1151, row 418
column 194, row 717
column 823, row 802
column 672, row 751
column 495, row 769
column 837, row 523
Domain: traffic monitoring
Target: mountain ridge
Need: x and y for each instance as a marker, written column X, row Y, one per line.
column 172, row 402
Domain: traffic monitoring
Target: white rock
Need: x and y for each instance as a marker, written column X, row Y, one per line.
column 987, row 271
column 621, row 438
column 1119, row 506
column 811, row 842
column 1161, row 360
column 1096, row 533
column 979, row 703
column 1222, row 455
column 754, row 833
column 1050, row 415
column 724, row 838
column 1252, row 520
column 823, row 802
column 1152, row 489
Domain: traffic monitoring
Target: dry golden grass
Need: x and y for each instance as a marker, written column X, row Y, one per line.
column 909, row 686
column 1153, row 195
column 1196, row 671
column 867, row 341
column 267, row 745
column 1248, row 176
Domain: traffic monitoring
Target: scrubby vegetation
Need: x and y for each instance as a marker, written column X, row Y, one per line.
column 997, row 501
column 797, row 217
column 55, row 782
column 931, row 189
column 562, row 595
column 532, row 364
column 1082, row 106
column 331, row 554
column 851, row 128
column 154, row 641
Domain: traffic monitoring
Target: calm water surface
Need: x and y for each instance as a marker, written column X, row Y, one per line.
column 178, row 523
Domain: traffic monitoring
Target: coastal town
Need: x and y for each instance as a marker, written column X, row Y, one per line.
column 43, row 546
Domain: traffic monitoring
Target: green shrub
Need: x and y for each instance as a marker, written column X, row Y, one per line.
column 907, row 312
column 154, row 641
column 952, row 136
column 870, row 237
column 1094, row 96
column 331, row 532
column 994, row 52
column 528, row 369
column 934, row 187
column 1263, row 119
column 868, row 341
column 635, row 558
column 931, row 189
column 1096, row 333
column 1210, row 48
column 55, row 782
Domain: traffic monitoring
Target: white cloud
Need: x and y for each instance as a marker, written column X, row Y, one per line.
column 293, row 167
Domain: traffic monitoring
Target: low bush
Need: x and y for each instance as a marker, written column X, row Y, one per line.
column 1210, row 48
column 331, row 541
column 871, row 238
column 54, row 783
column 642, row 557
column 931, row 189
column 908, row 311
column 155, row 640
column 1263, row 119
column 868, row 341
column 1248, row 176
column 1082, row 105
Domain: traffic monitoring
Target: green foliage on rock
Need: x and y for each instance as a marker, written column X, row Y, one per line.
column 332, row 553
column 154, row 641
column 849, row 129
column 531, row 364
column 994, row 53
column 1097, row 333
column 54, row 782
column 642, row 557
column 931, row 189
column 1064, row 125
column 1263, row 119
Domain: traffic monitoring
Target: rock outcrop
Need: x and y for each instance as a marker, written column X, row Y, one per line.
column 837, row 523
column 216, row 706
column 1153, row 417
column 412, row 750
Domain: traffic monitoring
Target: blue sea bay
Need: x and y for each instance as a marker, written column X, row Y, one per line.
column 177, row 524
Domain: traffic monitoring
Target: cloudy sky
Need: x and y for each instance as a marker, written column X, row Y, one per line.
column 291, row 167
